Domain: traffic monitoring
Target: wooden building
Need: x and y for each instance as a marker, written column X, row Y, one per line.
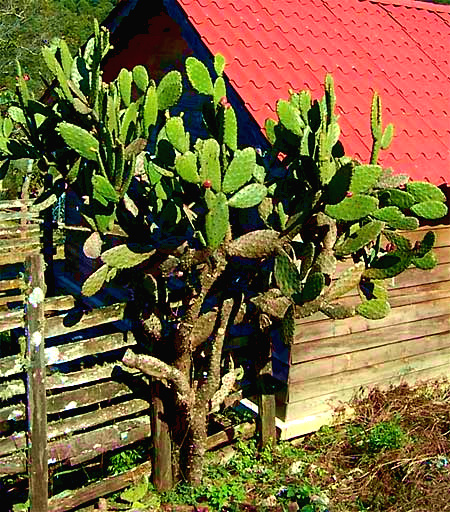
column 396, row 47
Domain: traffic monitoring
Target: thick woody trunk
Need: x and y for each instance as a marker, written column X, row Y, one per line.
column 197, row 446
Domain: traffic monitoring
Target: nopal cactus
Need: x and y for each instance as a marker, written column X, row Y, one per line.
column 186, row 243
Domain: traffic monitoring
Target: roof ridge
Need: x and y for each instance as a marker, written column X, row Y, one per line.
column 416, row 4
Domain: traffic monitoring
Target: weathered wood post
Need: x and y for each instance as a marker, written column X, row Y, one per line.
column 47, row 236
column 36, row 403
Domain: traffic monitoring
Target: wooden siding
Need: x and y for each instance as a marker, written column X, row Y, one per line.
column 331, row 361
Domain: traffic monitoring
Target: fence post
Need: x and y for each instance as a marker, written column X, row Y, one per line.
column 266, row 406
column 36, row 399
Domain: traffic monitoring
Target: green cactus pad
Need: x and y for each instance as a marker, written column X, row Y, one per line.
column 347, row 281
column 290, row 117
column 103, row 189
column 95, row 281
column 269, row 127
column 169, row 90
column 125, row 80
column 388, row 135
column 265, row 208
column 217, row 222
column 374, row 309
column 55, row 67
column 65, row 57
column 364, row 177
column 17, row 115
column 430, row 209
column 325, row 262
column 150, row 109
column 210, row 163
column 220, row 90
column 128, row 123
column 400, row 241
column 330, row 96
column 389, row 265
column 360, row 238
column 255, row 244
column 304, row 104
column 250, row 195
column 79, row 139
column 400, row 198
column 287, row 276
column 352, row 208
column 287, row 327
column 176, row 134
column 427, row 243
column 230, row 128
column 123, row 257
column 306, row 254
column 337, row 311
column 140, row 77
column 395, row 218
column 376, row 117
column 423, row 191
column 313, row 286
column 272, row 303
column 219, row 64
column 199, row 76
column 186, row 167
column 240, row 170
column 427, row 262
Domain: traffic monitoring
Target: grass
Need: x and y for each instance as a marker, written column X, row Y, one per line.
column 392, row 457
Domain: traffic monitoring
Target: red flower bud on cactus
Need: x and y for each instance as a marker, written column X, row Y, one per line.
column 349, row 193
column 223, row 101
column 207, row 184
column 390, row 247
column 26, row 77
column 417, row 245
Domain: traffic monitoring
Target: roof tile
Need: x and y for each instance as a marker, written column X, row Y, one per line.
column 399, row 48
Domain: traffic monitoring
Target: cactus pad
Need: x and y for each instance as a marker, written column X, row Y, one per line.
column 123, row 257
column 220, row 90
column 103, row 189
column 290, row 117
column 125, row 80
column 219, row 64
column 360, row 238
column 217, row 222
column 150, row 113
column 176, row 134
column 400, row 198
column 374, row 309
column 313, row 286
column 427, row 243
column 348, row 280
column 387, row 136
column 423, row 191
column 352, row 208
column 430, row 209
column 337, row 311
column 250, row 195
column 287, row 276
column 230, row 128
column 287, row 327
column 79, row 139
column 95, row 281
column 140, row 77
column 256, row 244
column 364, row 177
column 395, row 218
column 427, row 262
column 199, row 76
column 389, row 265
column 210, row 163
column 169, row 90
column 240, row 170
column 186, row 167
column 92, row 247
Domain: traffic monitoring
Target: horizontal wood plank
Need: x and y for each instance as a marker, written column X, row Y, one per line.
column 99, row 316
column 330, row 347
column 364, row 376
column 91, row 346
column 327, row 328
column 336, row 364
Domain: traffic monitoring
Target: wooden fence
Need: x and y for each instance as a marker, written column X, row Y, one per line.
column 330, row 360
column 65, row 399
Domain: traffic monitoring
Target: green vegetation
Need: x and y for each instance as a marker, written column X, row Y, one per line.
column 26, row 26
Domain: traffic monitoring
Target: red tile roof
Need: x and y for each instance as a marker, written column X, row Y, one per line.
column 400, row 48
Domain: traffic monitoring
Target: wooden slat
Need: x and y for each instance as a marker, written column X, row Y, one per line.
column 11, row 284
column 19, row 231
column 13, row 464
column 83, row 348
column 21, row 243
column 85, row 376
column 403, row 314
column 55, row 325
column 352, row 342
column 335, row 398
column 364, row 358
column 12, row 412
column 69, row 426
column 98, row 489
column 61, row 303
column 88, row 395
column 11, row 388
column 15, row 203
column 88, row 445
column 364, row 376
column 11, row 365
column 9, row 299
column 19, row 255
